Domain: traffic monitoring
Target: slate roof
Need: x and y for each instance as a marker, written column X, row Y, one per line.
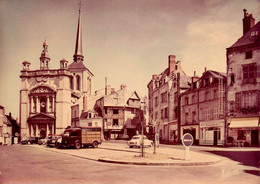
column 250, row 37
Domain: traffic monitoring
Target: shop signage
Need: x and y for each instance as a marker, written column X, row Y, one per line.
column 210, row 124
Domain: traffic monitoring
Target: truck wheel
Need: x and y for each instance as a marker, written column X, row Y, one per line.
column 77, row 145
column 95, row 144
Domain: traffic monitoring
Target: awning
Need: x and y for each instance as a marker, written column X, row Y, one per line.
column 244, row 122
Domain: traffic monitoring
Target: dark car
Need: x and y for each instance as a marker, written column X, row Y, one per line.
column 51, row 142
column 30, row 140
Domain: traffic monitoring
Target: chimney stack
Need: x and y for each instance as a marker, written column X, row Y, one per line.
column 171, row 61
column 248, row 22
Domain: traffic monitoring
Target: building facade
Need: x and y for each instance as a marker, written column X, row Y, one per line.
column 243, row 85
column 163, row 92
column 202, row 109
column 119, row 110
column 47, row 95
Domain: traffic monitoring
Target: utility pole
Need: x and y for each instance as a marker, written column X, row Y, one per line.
column 178, row 108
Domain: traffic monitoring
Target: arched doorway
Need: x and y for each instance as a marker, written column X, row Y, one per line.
column 42, row 133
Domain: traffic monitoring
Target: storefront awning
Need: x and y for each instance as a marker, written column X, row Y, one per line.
column 244, row 122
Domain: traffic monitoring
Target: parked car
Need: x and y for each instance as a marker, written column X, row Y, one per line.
column 30, row 140
column 51, row 142
column 136, row 141
column 42, row 141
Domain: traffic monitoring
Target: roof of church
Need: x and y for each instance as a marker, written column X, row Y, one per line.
column 77, row 65
column 250, row 37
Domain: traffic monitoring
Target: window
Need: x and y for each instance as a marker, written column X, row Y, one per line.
column 186, row 102
column 186, row 117
column 193, row 116
column 89, row 115
column 232, row 79
column 206, row 96
column 43, row 106
column 115, row 122
column 249, row 55
column 166, row 112
column 193, row 99
column 96, row 124
column 162, row 114
column 105, row 110
column 215, row 114
column 241, row 135
column 164, row 97
column 90, row 124
column 215, row 94
column 249, row 73
column 207, row 114
column 78, row 82
column 115, row 111
column 156, row 101
column 71, row 83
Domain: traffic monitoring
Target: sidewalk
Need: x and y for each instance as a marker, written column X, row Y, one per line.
column 121, row 154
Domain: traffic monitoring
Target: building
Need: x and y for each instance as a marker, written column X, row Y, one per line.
column 15, row 136
column 163, row 90
column 52, row 99
column 243, row 85
column 120, row 112
column 5, row 128
column 202, row 109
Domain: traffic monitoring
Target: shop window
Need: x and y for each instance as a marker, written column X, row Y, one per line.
column 241, row 135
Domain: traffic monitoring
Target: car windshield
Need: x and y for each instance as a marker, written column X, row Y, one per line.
column 66, row 134
column 136, row 138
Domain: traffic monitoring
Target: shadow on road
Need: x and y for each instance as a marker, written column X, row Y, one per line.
column 247, row 158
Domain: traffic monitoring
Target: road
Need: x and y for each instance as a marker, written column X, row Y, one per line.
column 25, row 164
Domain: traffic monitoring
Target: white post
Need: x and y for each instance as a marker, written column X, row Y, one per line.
column 187, row 153
column 53, row 102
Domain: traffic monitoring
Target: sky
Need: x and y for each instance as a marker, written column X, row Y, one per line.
column 126, row 41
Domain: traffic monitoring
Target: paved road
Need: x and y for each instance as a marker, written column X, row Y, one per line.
column 25, row 164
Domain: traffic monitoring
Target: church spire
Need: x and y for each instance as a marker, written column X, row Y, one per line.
column 78, row 56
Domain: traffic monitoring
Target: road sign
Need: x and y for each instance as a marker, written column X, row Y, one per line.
column 187, row 140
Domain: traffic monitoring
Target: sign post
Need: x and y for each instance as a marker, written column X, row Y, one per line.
column 187, row 141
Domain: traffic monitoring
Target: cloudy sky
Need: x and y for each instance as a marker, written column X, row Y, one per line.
column 126, row 41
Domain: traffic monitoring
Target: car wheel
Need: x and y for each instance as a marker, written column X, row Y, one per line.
column 77, row 145
column 95, row 144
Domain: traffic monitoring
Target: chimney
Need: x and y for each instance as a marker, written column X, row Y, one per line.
column 248, row 22
column 10, row 114
column 171, row 63
column 123, row 86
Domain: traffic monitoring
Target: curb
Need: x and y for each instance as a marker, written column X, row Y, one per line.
column 159, row 164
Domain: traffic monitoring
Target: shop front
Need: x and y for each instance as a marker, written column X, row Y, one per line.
column 193, row 130
column 173, row 131
column 212, row 132
column 244, row 131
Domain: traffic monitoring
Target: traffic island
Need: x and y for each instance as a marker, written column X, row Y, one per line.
column 158, row 159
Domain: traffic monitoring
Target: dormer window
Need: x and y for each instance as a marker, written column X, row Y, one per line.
column 249, row 55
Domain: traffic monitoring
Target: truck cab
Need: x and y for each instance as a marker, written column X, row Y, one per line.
column 80, row 136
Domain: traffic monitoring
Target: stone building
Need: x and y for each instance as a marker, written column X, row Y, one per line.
column 243, row 85
column 119, row 110
column 49, row 97
column 202, row 109
column 5, row 128
column 163, row 99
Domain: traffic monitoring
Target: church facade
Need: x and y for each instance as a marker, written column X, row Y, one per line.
column 47, row 96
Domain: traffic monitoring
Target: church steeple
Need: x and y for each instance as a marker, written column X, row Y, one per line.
column 78, row 56
column 45, row 58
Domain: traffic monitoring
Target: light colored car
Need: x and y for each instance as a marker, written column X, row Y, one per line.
column 42, row 141
column 136, row 141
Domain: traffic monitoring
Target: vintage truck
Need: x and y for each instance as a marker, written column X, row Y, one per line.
column 80, row 136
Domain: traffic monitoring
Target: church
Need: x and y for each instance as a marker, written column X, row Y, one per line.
column 49, row 96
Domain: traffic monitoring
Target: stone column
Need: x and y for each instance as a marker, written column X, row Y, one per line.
column 32, row 131
column 37, row 130
column 38, row 104
column 47, row 130
column 47, row 104
column 53, row 103
column 31, row 105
